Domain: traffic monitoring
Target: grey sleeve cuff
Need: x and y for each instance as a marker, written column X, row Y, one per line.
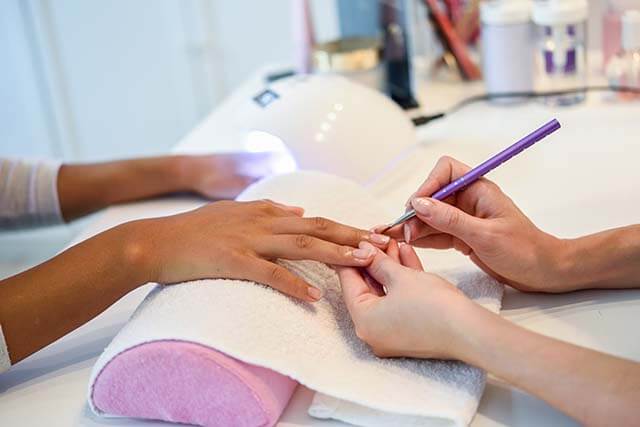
column 5, row 362
column 29, row 193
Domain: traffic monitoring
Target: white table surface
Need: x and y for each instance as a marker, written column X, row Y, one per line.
column 583, row 179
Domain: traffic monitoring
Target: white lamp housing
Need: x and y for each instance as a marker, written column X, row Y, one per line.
column 327, row 123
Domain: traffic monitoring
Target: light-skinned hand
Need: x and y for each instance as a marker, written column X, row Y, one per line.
column 421, row 315
column 483, row 223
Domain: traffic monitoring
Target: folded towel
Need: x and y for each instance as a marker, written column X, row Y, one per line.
column 315, row 344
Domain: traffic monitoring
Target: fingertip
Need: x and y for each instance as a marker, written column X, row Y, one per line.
column 378, row 239
column 406, row 233
column 297, row 210
column 314, row 293
column 409, row 257
column 393, row 250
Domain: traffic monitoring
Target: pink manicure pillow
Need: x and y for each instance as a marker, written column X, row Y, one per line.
column 189, row 383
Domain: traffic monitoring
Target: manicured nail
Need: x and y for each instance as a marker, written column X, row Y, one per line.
column 363, row 253
column 379, row 239
column 423, row 206
column 314, row 293
column 407, row 233
column 408, row 203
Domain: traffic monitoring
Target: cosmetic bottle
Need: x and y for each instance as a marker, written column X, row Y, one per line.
column 561, row 56
column 624, row 68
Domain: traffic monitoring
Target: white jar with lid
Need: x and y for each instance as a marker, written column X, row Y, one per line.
column 561, row 57
column 507, row 46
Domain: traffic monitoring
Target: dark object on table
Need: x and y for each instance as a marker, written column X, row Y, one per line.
column 396, row 55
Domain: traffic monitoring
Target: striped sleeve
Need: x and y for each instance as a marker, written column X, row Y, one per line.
column 28, row 193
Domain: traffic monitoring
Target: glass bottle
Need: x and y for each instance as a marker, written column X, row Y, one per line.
column 624, row 68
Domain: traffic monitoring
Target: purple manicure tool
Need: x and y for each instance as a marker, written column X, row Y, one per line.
column 486, row 167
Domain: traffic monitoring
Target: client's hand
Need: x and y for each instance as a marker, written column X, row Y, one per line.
column 483, row 223
column 241, row 241
column 224, row 176
column 422, row 315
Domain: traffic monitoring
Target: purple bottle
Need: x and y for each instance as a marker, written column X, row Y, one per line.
column 561, row 61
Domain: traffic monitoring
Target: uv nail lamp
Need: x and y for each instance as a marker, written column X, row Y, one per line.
column 325, row 123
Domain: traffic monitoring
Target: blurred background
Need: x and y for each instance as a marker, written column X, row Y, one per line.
column 95, row 80
column 90, row 80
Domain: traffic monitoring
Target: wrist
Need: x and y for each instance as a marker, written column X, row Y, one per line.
column 182, row 172
column 476, row 336
column 557, row 264
column 468, row 326
column 136, row 252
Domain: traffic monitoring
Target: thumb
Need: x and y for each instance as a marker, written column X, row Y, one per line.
column 448, row 219
column 384, row 269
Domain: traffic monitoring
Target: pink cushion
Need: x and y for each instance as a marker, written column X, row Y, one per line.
column 190, row 383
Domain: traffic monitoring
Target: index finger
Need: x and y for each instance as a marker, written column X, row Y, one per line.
column 328, row 230
column 446, row 170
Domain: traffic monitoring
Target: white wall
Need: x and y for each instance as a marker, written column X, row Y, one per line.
column 89, row 80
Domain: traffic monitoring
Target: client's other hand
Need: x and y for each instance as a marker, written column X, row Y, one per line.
column 241, row 240
column 422, row 315
column 485, row 224
column 225, row 175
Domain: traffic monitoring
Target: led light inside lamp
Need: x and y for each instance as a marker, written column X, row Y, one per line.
column 280, row 159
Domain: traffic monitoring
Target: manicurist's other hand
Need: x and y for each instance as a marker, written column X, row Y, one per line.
column 421, row 315
column 485, row 224
column 242, row 240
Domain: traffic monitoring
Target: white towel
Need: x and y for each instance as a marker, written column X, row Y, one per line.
column 314, row 343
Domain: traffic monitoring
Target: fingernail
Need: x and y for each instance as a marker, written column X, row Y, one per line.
column 314, row 293
column 408, row 203
column 407, row 233
column 365, row 251
column 423, row 206
column 380, row 239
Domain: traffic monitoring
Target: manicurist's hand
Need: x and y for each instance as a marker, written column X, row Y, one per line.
column 422, row 315
column 483, row 223
column 241, row 240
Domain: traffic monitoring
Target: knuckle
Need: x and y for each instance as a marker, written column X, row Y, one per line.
column 265, row 205
column 356, row 236
column 302, row 241
column 445, row 159
column 320, row 223
column 277, row 273
column 453, row 219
